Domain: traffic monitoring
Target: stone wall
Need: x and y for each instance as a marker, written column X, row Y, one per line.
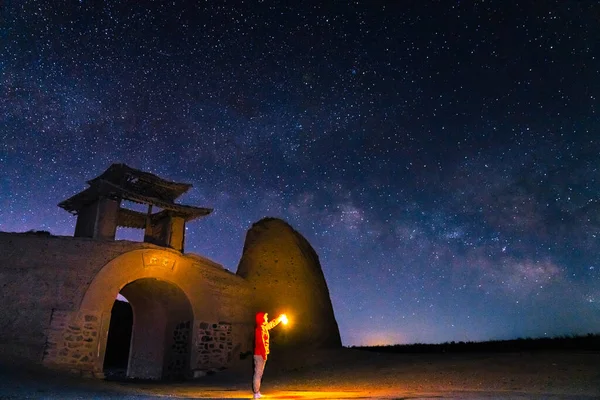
column 179, row 351
column 214, row 346
column 72, row 340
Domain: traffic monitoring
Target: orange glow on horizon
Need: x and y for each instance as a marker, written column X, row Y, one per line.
column 383, row 338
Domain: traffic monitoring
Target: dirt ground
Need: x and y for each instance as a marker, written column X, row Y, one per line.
column 347, row 374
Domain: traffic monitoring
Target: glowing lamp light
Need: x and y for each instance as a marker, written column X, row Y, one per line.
column 284, row 319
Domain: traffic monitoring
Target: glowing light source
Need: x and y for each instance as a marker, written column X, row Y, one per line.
column 284, row 319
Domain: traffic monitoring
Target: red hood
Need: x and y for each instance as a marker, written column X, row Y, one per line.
column 260, row 318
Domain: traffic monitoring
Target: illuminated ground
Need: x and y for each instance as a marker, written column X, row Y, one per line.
column 350, row 374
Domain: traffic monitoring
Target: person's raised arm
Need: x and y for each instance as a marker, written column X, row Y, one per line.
column 273, row 323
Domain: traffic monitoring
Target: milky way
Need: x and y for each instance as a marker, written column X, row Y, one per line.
column 441, row 157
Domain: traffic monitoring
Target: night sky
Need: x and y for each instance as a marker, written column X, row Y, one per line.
column 442, row 157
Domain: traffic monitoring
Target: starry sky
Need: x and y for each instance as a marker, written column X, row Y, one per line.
column 442, row 157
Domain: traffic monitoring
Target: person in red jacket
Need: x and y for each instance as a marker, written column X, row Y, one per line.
column 261, row 347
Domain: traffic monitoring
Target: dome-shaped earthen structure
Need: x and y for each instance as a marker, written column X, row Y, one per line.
column 284, row 271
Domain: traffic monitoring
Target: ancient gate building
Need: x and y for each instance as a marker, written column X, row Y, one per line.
column 188, row 314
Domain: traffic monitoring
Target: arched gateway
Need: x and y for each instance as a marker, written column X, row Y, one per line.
column 187, row 315
column 163, row 314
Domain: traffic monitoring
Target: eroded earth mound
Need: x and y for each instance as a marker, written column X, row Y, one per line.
column 284, row 270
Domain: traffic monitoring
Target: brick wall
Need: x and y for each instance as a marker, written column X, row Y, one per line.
column 213, row 345
column 72, row 340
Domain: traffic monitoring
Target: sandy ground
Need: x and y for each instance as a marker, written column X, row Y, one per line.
column 348, row 374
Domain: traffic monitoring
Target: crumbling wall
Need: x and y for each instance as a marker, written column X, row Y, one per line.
column 57, row 294
column 44, row 275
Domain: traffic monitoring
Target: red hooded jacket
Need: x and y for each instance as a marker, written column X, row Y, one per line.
column 261, row 334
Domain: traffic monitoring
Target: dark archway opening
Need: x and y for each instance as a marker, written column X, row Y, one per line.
column 118, row 341
column 160, row 333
